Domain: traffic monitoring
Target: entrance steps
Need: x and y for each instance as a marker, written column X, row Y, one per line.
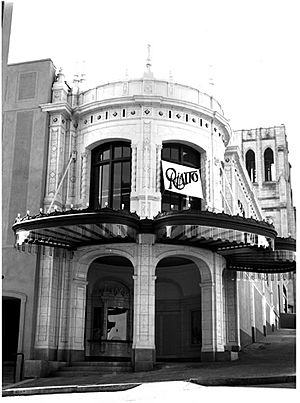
column 87, row 368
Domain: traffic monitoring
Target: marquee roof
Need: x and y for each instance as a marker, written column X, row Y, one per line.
column 247, row 244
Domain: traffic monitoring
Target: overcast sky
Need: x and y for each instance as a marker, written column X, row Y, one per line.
column 252, row 46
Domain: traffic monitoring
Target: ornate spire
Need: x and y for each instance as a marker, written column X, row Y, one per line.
column 60, row 78
column 211, row 77
column 148, row 61
column 148, row 74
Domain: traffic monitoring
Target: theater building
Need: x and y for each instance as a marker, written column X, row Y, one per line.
column 146, row 230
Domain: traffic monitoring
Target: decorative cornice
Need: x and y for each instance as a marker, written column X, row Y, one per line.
column 59, row 107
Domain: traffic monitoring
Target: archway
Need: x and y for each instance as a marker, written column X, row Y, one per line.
column 178, row 333
column 109, row 309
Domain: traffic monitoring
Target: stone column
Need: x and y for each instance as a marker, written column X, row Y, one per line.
column 65, row 308
column 232, row 314
column 47, row 309
column 145, row 199
column 56, row 163
column 144, row 306
column 212, row 315
column 218, row 308
column 71, row 179
column 207, row 308
column 83, row 188
column 77, row 320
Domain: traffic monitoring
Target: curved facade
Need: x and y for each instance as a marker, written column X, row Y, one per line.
column 131, row 266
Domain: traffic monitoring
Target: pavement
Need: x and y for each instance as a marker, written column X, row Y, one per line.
column 270, row 362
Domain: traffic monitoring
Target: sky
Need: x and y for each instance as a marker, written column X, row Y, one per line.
column 249, row 48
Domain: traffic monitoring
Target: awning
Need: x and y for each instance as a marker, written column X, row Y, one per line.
column 247, row 244
column 76, row 228
column 259, row 259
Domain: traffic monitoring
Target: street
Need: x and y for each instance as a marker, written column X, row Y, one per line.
column 175, row 391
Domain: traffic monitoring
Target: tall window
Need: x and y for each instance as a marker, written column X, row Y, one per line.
column 269, row 165
column 250, row 165
column 183, row 155
column 111, row 176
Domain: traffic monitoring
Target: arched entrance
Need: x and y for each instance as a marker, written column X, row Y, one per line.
column 178, row 334
column 109, row 309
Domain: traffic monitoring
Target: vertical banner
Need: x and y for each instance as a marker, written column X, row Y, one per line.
column 182, row 179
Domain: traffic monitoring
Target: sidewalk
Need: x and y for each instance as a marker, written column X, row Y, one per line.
column 270, row 361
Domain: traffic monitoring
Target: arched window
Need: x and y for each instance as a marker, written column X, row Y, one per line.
column 111, row 176
column 183, row 155
column 250, row 165
column 269, row 165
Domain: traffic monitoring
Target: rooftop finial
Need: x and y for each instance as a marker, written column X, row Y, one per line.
column 211, row 76
column 148, row 64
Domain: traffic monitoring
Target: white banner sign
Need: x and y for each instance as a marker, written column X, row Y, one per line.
column 182, row 179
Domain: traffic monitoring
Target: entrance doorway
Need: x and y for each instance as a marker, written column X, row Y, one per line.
column 109, row 310
column 10, row 327
column 177, row 310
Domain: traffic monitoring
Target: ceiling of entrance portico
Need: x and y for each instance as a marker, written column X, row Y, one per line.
column 174, row 261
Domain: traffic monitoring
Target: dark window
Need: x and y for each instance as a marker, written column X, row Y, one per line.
column 111, row 176
column 170, row 114
column 250, row 165
column 183, row 155
column 269, row 164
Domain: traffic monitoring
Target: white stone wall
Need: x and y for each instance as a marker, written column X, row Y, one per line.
column 148, row 114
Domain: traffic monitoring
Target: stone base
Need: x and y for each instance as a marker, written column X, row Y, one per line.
column 227, row 356
column 209, row 356
column 41, row 368
column 143, row 359
column 44, row 354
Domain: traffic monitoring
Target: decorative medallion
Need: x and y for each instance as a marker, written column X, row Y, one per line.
column 147, row 111
column 148, row 88
column 132, row 112
column 194, row 120
column 55, row 120
column 99, row 117
column 85, row 122
column 178, row 116
column 115, row 114
column 160, row 113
